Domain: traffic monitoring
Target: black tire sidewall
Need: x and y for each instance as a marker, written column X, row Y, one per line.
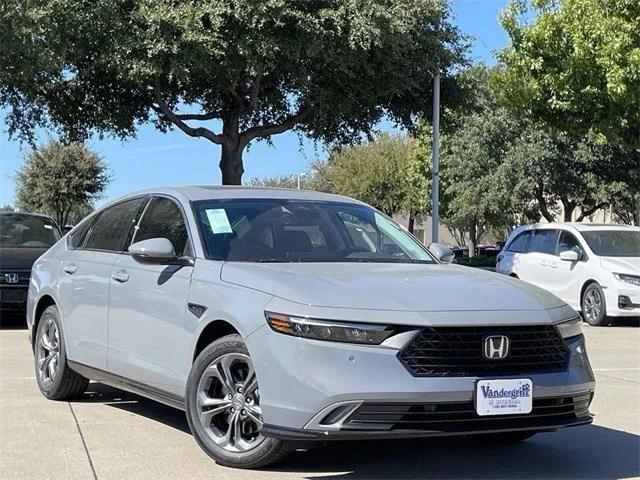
column 602, row 318
column 51, row 312
column 267, row 452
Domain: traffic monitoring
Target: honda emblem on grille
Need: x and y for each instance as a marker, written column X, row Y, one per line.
column 11, row 277
column 496, row 347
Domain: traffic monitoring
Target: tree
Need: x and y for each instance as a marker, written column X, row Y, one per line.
column 279, row 181
column 227, row 71
column 7, row 208
column 58, row 180
column 381, row 172
column 575, row 66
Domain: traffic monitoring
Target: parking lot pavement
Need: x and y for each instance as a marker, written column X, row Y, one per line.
column 110, row 434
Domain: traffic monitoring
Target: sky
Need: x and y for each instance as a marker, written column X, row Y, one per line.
column 155, row 159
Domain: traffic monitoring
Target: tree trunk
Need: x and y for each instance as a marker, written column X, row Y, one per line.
column 567, row 209
column 473, row 240
column 231, row 165
column 412, row 221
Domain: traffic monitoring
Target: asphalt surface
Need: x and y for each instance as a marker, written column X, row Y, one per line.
column 111, row 434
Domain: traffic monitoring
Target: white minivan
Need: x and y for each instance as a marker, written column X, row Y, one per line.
column 595, row 268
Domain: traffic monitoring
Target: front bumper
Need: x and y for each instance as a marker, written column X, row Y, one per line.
column 302, row 381
column 630, row 306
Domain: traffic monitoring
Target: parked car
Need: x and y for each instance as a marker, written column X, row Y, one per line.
column 595, row 268
column 23, row 238
column 274, row 317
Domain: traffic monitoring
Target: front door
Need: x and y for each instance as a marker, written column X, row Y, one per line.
column 565, row 277
column 148, row 303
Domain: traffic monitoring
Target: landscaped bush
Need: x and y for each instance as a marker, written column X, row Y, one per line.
column 476, row 261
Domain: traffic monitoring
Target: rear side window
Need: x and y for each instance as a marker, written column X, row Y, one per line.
column 110, row 230
column 79, row 234
column 519, row 244
column 163, row 219
column 543, row 241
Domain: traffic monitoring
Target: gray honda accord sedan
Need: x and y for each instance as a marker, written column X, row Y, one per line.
column 276, row 318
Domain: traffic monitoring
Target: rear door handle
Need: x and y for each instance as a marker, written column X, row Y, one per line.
column 120, row 276
column 70, row 268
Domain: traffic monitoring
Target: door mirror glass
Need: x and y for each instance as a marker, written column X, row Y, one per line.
column 443, row 253
column 569, row 256
column 153, row 250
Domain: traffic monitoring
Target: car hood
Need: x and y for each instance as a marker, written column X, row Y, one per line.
column 13, row 258
column 401, row 287
column 629, row 265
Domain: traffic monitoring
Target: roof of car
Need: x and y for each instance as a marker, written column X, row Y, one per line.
column 212, row 192
column 583, row 227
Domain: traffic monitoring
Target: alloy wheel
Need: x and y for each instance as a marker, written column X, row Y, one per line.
column 48, row 353
column 228, row 403
column 593, row 305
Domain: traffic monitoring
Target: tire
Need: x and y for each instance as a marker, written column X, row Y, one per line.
column 224, row 366
column 53, row 375
column 594, row 306
column 505, row 438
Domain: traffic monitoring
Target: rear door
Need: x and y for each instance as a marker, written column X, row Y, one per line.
column 85, row 277
column 534, row 266
column 148, row 302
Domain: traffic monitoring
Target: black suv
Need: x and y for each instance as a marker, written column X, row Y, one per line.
column 23, row 238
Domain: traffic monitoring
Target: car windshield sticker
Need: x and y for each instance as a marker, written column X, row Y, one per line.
column 218, row 220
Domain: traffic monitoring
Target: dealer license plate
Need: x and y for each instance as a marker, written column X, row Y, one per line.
column 504, row 397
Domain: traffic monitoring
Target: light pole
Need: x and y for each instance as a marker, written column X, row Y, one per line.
column 300, row 175
column 435, row 188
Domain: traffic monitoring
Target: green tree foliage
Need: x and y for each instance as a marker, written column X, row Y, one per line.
column 278, row 181
column 383, row 172
column 61, row 181
column 576, row 66
column 228, row 71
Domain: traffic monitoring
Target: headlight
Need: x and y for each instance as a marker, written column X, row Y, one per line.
column 632, row 279
column 570, row 328
column 332, row 331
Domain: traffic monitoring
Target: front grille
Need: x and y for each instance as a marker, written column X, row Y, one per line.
column 458, row 352
column 462, row 417
column 13, row 295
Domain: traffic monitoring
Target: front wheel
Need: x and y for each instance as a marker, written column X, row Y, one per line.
column 223, row 407
column 594, row 307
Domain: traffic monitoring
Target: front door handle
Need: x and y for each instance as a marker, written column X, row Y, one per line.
column 70, row 268
column 120, row 276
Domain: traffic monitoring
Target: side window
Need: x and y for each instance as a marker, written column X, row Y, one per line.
column 543, row 241
column 76, row 239
column 163, row 219
column 568, row 241
column 519, row 244
column 110, row 230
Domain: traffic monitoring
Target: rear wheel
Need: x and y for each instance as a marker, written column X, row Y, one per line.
column 223, row 407
column 55, row 379
column 594, row 307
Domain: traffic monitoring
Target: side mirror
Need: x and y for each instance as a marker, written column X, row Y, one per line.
column 443, row 253
column 569, row 256
column 153, row 250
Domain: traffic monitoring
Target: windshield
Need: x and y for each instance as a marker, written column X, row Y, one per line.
column 27, row 231
column 280, row 230
column 613, row 243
